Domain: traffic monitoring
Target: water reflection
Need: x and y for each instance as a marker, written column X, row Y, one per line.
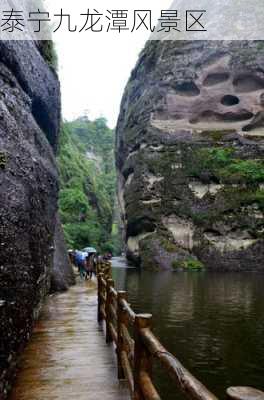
column 213, row 322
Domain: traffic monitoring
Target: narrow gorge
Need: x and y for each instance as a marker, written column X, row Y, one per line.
column 125, row 249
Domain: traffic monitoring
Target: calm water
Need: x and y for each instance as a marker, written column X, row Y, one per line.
column 212, row 322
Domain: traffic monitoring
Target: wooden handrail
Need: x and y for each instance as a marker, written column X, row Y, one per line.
column 128, row 310
column 183, row 378
column 135, row 356
column 148, row 389
column 142, row 357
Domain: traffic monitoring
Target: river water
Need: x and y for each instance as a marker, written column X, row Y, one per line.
column 212, row 322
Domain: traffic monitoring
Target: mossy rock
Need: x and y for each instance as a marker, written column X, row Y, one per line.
column 168, row 245
column 217, row 135
column 190, row 264
column 3, row 160
column 224, row 166
column 177, row 265
column 49, row 54
column 243, row 171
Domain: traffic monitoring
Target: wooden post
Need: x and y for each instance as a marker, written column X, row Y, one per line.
column 244, row 393
column 99, row 300
column 110, row 283
column 98, row 267
column 121, row 319
column 104, row 270
column 107, row 271
column 143, row 361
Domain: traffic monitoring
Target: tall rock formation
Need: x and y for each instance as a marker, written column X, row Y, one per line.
column 190, row 146
column 29, row 127
column 62, row 273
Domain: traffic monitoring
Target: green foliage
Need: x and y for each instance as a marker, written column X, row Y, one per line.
column 78, row 235
column 73, row 204
column 259, row 198
column 246, row 171
column 190, row 264
column 193, row 264
column 49, row 53
column 250, row 197
column 223, row 165
column 100, row 139
column 211, row 159
column 87, row 180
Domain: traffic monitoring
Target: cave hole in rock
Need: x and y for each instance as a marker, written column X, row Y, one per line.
column 212, row 116
column 212, row 232
column 187, row 88
column 230, row 100
column 216, row 78
column 127, row 172
column 248, row 83
column 140, row 226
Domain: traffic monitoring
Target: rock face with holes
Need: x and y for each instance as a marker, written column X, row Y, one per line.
column 29, row 126
column 190, row 146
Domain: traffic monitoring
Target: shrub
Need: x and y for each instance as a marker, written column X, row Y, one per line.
column 246, row 171
column 193, row 264
column 225, row 167
column 189, row 264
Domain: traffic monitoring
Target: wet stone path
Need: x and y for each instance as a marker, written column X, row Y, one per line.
column 67, row 357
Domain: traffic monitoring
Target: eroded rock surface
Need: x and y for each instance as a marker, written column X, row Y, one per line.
column 190, row 146
column 29, row 126
column 62, row 276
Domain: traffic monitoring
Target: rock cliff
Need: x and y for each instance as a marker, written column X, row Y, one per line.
column 62, row 274
column 29, row 126
column 189, row 149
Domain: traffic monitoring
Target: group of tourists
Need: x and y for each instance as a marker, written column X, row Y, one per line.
column 86, row 261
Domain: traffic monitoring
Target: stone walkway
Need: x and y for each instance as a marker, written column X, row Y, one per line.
column 67, row 357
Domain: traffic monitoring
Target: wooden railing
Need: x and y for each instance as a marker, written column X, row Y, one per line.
column 136, row 353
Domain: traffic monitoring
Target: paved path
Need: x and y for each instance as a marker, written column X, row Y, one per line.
column 67, row 357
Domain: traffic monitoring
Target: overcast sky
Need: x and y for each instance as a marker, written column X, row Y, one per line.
column 93, row 76
column 94, row 70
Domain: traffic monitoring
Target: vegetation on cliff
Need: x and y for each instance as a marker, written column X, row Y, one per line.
column 87, row 179
column 47, row 49
column 226, row 167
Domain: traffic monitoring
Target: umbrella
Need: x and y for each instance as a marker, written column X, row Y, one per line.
column 90, row 250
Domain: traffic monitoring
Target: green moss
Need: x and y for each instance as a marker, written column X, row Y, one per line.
column 168, row 245
column 251, row 197
column 49, row 53
column 248, row 171
column 259, row 198
column 191, row 264
column 215, row 158
column 222, row 164
column 260, row 45
column 244, row 197
column 232, row 199
column 203, row 217
column 3, row 160
column 177, row 264
column 217, row 135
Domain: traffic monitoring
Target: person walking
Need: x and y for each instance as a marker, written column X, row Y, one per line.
column 89, row 266
column 81, row 264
